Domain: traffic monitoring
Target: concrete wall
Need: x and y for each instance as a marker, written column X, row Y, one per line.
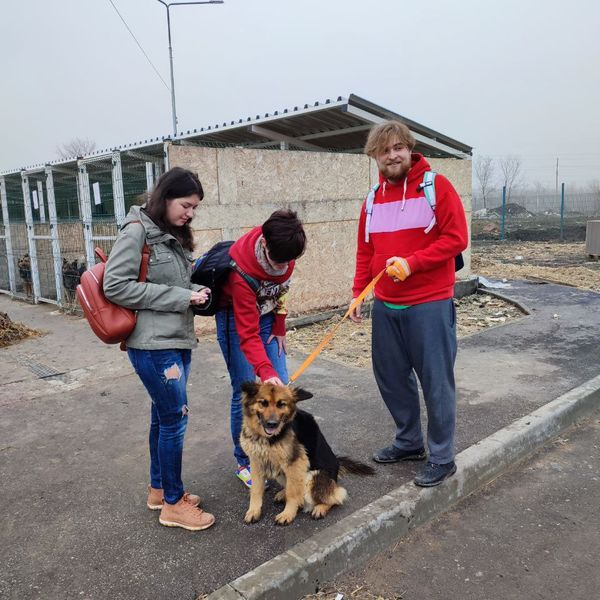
column 243, row 187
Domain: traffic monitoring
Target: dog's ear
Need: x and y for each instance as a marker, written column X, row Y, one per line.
column 250, row 388
column 301, row 394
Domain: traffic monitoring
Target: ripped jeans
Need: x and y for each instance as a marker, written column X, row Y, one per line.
column 164, row 374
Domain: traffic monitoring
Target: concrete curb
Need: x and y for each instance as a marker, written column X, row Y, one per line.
column 306, row 566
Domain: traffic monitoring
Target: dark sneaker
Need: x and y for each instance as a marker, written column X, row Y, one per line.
column 391, row 454
column 432, row 474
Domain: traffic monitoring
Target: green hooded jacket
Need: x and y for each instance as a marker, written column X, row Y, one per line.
column 164, row 317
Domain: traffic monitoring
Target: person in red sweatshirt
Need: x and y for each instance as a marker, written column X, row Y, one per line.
column 414, row 319
column 251, row 325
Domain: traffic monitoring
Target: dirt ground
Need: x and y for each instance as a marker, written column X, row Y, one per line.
column 565, row 263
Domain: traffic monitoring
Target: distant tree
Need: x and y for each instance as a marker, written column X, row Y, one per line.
column 484, row 172
column 510, row 169
column 76, row 147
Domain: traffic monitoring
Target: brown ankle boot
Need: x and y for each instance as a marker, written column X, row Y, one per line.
column 156, row 498
column 183, row 514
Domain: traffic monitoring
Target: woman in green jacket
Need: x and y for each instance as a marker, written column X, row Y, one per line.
column 161, row 344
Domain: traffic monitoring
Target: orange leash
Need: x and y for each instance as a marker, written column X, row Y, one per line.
column 334, row 329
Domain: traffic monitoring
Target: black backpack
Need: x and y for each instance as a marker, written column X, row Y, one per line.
column 211, row 270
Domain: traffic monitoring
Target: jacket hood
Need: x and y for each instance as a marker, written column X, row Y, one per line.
column 417, row 169
column 153, row 231
column 244, row 254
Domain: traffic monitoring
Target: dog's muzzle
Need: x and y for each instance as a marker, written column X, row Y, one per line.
column 270, row 427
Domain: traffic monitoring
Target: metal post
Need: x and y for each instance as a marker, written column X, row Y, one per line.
column 562, row 209
column 173, row 109
column 118, row 193
column 86, row 212
column 503, row 211
column 12, row 282
column 54, row 234
column 40, row 191
column 35, row 274
column 149, row 176
column 167, row 6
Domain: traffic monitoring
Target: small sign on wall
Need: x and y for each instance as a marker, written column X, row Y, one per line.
column 34, row 196
column 96, row 189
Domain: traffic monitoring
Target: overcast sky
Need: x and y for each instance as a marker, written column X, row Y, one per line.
column 507, row 77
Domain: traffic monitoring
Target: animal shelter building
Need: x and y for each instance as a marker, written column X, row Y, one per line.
column 308, row 158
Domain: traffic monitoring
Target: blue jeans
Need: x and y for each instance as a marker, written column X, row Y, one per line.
column 419, row 341
column 240, row 370
column 164, row 374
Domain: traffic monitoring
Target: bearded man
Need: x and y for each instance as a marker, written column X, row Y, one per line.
column 414, row 318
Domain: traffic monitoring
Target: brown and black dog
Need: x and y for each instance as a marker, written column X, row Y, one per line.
column 286, row 444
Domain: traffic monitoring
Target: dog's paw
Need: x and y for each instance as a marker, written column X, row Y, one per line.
column 280, row 496
column 252, row 515
column 319, row 511
column 285, row 517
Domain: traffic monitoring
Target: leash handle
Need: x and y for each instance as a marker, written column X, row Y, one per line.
column 327, row 338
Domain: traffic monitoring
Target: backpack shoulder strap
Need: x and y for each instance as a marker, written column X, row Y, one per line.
column 253, row 283
column 369, row 209
column 145, row 254
column 428, row 187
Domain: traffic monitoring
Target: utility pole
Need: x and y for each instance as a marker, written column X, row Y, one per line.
column 557, row 175
column 168, row 5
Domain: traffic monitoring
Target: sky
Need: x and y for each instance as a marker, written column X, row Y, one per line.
column 511, row 77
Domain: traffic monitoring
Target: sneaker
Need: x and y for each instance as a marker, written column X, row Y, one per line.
column 391, row 454
column 156, row 498
column 243, row 473
column 432, row 474
column 183, row 514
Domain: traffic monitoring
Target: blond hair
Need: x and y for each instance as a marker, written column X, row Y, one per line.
column 381, row 135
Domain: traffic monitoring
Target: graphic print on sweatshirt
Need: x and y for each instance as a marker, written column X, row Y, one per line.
column 269, row 294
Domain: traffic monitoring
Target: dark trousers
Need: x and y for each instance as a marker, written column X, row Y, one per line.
column 419, row 341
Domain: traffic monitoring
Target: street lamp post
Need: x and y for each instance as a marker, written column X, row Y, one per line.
column 168, row 5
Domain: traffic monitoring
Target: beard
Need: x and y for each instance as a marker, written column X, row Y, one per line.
column 395, row 171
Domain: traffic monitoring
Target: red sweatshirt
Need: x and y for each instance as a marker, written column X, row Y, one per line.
column 397, row 228
column 248, row 305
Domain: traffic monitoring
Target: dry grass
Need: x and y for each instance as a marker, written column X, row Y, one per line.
column 565, row 263
column 11, row 332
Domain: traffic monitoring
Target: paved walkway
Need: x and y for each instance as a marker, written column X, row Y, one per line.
column 533, row 533
column 73, row 449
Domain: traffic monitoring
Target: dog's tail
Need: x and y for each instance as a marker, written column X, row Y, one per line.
column 354, row 467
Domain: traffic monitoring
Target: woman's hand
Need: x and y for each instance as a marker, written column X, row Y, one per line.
column 200, row 297
column 280, row 343
column 274, row 381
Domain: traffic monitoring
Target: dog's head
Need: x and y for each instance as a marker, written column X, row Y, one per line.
column 269, row 408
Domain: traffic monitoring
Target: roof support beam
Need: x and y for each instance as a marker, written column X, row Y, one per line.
column 421, row 139
column 278, row 137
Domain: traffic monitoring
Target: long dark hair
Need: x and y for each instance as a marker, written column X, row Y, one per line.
column 175, row 183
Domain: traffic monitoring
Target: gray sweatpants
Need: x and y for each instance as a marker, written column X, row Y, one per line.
column 418, row 340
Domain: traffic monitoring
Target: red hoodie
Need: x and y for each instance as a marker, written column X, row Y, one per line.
column 398, row 229
column 246, row 311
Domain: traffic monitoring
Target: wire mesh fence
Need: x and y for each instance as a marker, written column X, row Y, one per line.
column 532, row 216
column 52, row 218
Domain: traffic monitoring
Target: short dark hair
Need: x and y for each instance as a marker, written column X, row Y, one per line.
column 285, row 236
column 175, row 183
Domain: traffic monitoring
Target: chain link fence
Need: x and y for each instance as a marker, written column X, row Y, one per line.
column 534, row 217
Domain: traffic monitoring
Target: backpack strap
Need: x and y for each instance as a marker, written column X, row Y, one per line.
column 253, row 283
column 369, row 209
column 145, row 254
column 428, row 187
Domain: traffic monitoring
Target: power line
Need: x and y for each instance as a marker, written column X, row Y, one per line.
column 139, row 45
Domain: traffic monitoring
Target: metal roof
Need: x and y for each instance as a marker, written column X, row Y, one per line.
column 331, row 126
